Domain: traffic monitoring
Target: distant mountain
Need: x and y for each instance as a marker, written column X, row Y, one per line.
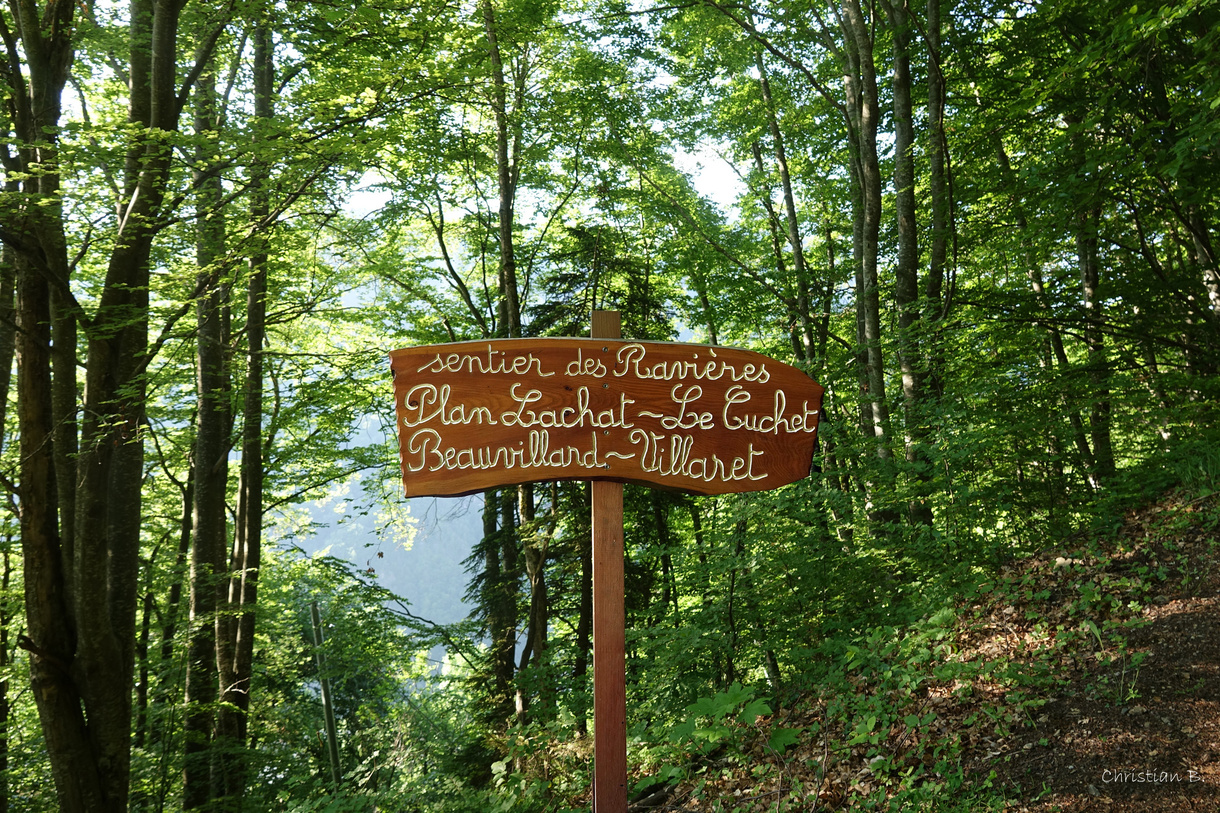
column 427, row 571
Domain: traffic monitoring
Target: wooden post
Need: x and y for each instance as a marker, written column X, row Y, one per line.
column 609, row 638
column 695, row 418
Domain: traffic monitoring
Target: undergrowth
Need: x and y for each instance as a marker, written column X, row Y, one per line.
column 905, row 717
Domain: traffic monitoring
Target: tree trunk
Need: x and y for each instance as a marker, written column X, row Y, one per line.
column 939, row 203
column 534, row 544
column 235, row 630
column 777, row 250
column 906, row 271
column 863, row 116
column 506, row 177
column 80, row 633
column 8, row 325
column 81, row 515
column 1098, row 363
column 8, row 321
column 863, row 112
column 795, row 242
column 584, row 618
column 213, row 424
column 499, row 599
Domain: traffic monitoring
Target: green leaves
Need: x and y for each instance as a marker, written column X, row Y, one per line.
column 783, row 738
column 712, row 720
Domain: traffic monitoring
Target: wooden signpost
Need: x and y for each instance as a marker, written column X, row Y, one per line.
column 694, row 418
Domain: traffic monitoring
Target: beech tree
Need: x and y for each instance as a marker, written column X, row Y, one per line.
column 81, row 472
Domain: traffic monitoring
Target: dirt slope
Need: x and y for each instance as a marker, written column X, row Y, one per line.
column 1085, row 679
column 1134, row 733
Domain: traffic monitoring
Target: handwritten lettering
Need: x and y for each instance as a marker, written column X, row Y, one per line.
column 708, row 420
column 495, row 362
column 631, row 359
column 426, row 452
column 684, row 419
column 670, row 455
column 806, row 420
column 586, row 366
column 426, row 402
column 578, row 416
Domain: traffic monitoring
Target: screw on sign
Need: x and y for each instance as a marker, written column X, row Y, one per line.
column 695, row 418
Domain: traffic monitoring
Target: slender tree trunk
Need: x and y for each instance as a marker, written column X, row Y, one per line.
column 669, row 588
column 534, row 544
column 1196, row 343
column 509, row 587
column 236, row 628
column 906, row 268
column 502, row 569
column 80, row 632
column 140, row 732
column 110, row 462
column 506, row 177
column 1201, row 237
column 864, row 116
column 700, row 538
column 911, row 361
column 8, row 325
column 170, row 617
column 81, row 514
column 939, row 205
column 792, row 222
column 938, row 184
column 823, row 332
column 8, row 321
column 6, row 618
column 211, row 470
column 777, row 251
column 840, row 480
column 584, row 618
column 1098, row 363
column 51, row 634
column 499, row 600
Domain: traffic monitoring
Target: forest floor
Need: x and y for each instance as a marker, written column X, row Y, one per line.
column 1134, row 725
column 1083, row 679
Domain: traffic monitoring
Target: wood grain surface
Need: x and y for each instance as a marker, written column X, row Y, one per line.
column 695, row 418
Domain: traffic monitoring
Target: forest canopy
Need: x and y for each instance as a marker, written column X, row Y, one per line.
column 987, row 228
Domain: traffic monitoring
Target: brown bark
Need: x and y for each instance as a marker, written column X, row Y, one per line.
column 534, row 544
column 1098, row 363
column 89, row 773
column 210, row 472
column 235, row 629
column 911, row 362
column 507, row 151
column 777, row 251
column 863, row 113
column 938, row 184
column 499, row 598
column 584, row 618
column 8, row 316
column 791, row 221
column 8, row 280
column 81, row 506
column 51, row 634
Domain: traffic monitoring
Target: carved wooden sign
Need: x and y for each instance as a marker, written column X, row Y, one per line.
column 708, row 420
